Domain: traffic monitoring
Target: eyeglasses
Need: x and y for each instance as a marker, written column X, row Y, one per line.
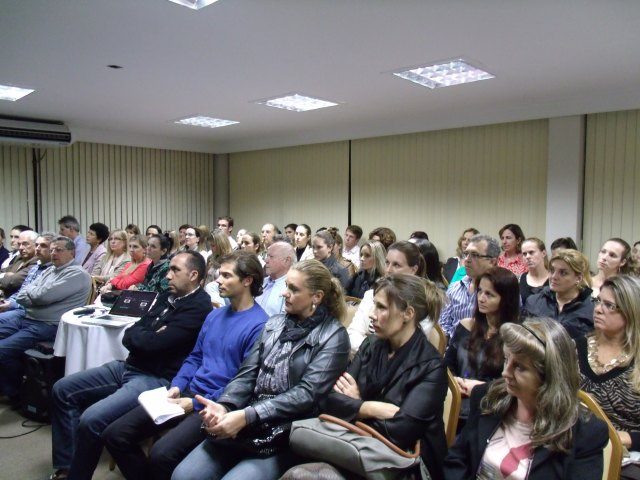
column 608, row 306
column 189, row 234
column 474, row 255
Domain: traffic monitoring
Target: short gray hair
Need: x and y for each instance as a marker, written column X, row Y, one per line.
column 68, row 243
column 31, row 234
column 49, row 236
column 493, row 246
column 286, row 249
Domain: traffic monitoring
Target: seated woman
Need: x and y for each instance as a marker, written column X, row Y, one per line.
column 134, row 271
column 512, row 237
column 250, row 242
column 474, row 355
column 402, row 257
column 194, row 240
column 397, row 382
column 97, row 235
column 613, row 258
column 115, row 260
column 609, row 364
column 152, row 230
column 132, row 229
column 303, row 242
column 174, row 240
column 535, row 255
column 337, row 253
column 372, row 258
column 322, row 244
column 433, row 268
column 294, row 364
column 562, row 243
column 454, row 269
column 567, row 299
column 384, row 235
column 530, row 424
column 155, row 280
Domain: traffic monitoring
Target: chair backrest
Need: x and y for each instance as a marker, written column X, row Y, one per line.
column 451, row 412
column 437, row 338
column 93, row 292
column 352, row 300
column 351, row 312
column 613, row 451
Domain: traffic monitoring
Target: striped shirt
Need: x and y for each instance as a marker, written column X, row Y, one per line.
column 461, row 303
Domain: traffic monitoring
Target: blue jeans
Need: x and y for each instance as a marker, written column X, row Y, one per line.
column 84, row 404
column 211, row 461
column 17, row 334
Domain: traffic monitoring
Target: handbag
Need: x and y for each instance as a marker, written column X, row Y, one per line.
column 358, row 448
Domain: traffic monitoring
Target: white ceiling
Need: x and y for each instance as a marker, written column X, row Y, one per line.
column 551, row 58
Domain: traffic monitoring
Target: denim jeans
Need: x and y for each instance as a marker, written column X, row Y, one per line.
column 84, row 404
column 17, row 334
column 211, row 461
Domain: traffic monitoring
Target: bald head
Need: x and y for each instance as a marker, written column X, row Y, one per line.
column 280, row 257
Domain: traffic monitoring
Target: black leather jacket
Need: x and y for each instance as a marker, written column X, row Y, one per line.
column 576, row 316
column 315, row 364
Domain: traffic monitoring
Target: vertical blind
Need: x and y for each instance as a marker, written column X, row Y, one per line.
column 16, row 187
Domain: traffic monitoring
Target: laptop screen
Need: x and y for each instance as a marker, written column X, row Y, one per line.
column 133, row 303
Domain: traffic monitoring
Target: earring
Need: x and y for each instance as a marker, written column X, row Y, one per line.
column 313, row 306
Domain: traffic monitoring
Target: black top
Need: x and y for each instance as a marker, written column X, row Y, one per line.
column 576, row 316
column 450, row 267
column 159, row 342
column 360, row 283
column 4, row 254
column 527, row 290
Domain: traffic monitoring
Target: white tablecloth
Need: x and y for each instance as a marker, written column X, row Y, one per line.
column 87, row 346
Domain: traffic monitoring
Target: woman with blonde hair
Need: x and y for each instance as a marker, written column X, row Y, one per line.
column 294, row 364
column 613, row 258
column 372, row 258
column 115, row 259
column 567, row 299
column 337, row 252
column 609, row 364
column 529, row 424
column 534, row 253
column 134, row 271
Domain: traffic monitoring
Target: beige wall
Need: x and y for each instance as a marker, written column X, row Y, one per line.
column 612, row 179
column 115, row 185
column 306, row 184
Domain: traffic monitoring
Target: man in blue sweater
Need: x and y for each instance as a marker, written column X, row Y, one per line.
column 225, row 340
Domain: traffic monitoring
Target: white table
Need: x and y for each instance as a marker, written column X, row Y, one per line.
column 87, row 346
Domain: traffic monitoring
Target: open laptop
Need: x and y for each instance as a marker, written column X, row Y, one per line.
column 129, row 307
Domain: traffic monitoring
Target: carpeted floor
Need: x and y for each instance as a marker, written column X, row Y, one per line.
column 28, row 457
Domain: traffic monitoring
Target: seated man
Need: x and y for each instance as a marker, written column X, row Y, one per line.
column 86, row 402
column 15, row 274
column 60, row 288
column 224, row 341
column 280, row 257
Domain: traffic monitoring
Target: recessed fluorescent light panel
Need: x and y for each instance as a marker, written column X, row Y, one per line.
column 194, row 4
column 296, row 102
column 208, row 122
column 7, row 92
column 447, row 74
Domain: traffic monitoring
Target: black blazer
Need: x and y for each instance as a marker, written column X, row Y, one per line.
column 584, row 462
column 418, row 387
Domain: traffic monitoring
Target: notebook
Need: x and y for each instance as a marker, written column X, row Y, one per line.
column 129, row 307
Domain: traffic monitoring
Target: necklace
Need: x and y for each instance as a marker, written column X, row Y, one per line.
column 595, row 364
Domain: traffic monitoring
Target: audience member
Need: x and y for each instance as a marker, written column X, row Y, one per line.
column 280, row 258
column 419, row 234
column 132, row 229
column 269, row 230
column 433, row 267
column 397, row 382
column 224, row 342
column 4, row 253
column 530, row 424
column 115, row 260
column 402, row 257
column 251, row 243
column 613, row 258
column 303, row 242
column 133, row 272
column 70, row 227
column 85, row 403
column 294, row 364
column 609, row 365
column 225, row 225
column 454, row 269
column 240, row 234
column 562, row 242
column 152, row 230
column 474, row 354
column 511, row 258
column 155, row 280
column 384, row 235
column 372, row 267
column 194, row 241
column 635, row 253
column 290, row 232
column 337, row 253
column 174, row 240
column 567, row 299
column 60, row 288
column 220, row 247
column 322, row 244
column 96, row 237
column 182, row 230
column 14, row 254
column 534, row 253
column 351, row 249
column 480, row 255
column 11, row 279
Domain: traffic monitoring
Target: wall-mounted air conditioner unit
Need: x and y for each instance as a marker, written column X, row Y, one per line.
column 34, row 133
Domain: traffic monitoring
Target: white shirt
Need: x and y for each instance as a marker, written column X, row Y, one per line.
column 353, row 255
column 232, row 241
